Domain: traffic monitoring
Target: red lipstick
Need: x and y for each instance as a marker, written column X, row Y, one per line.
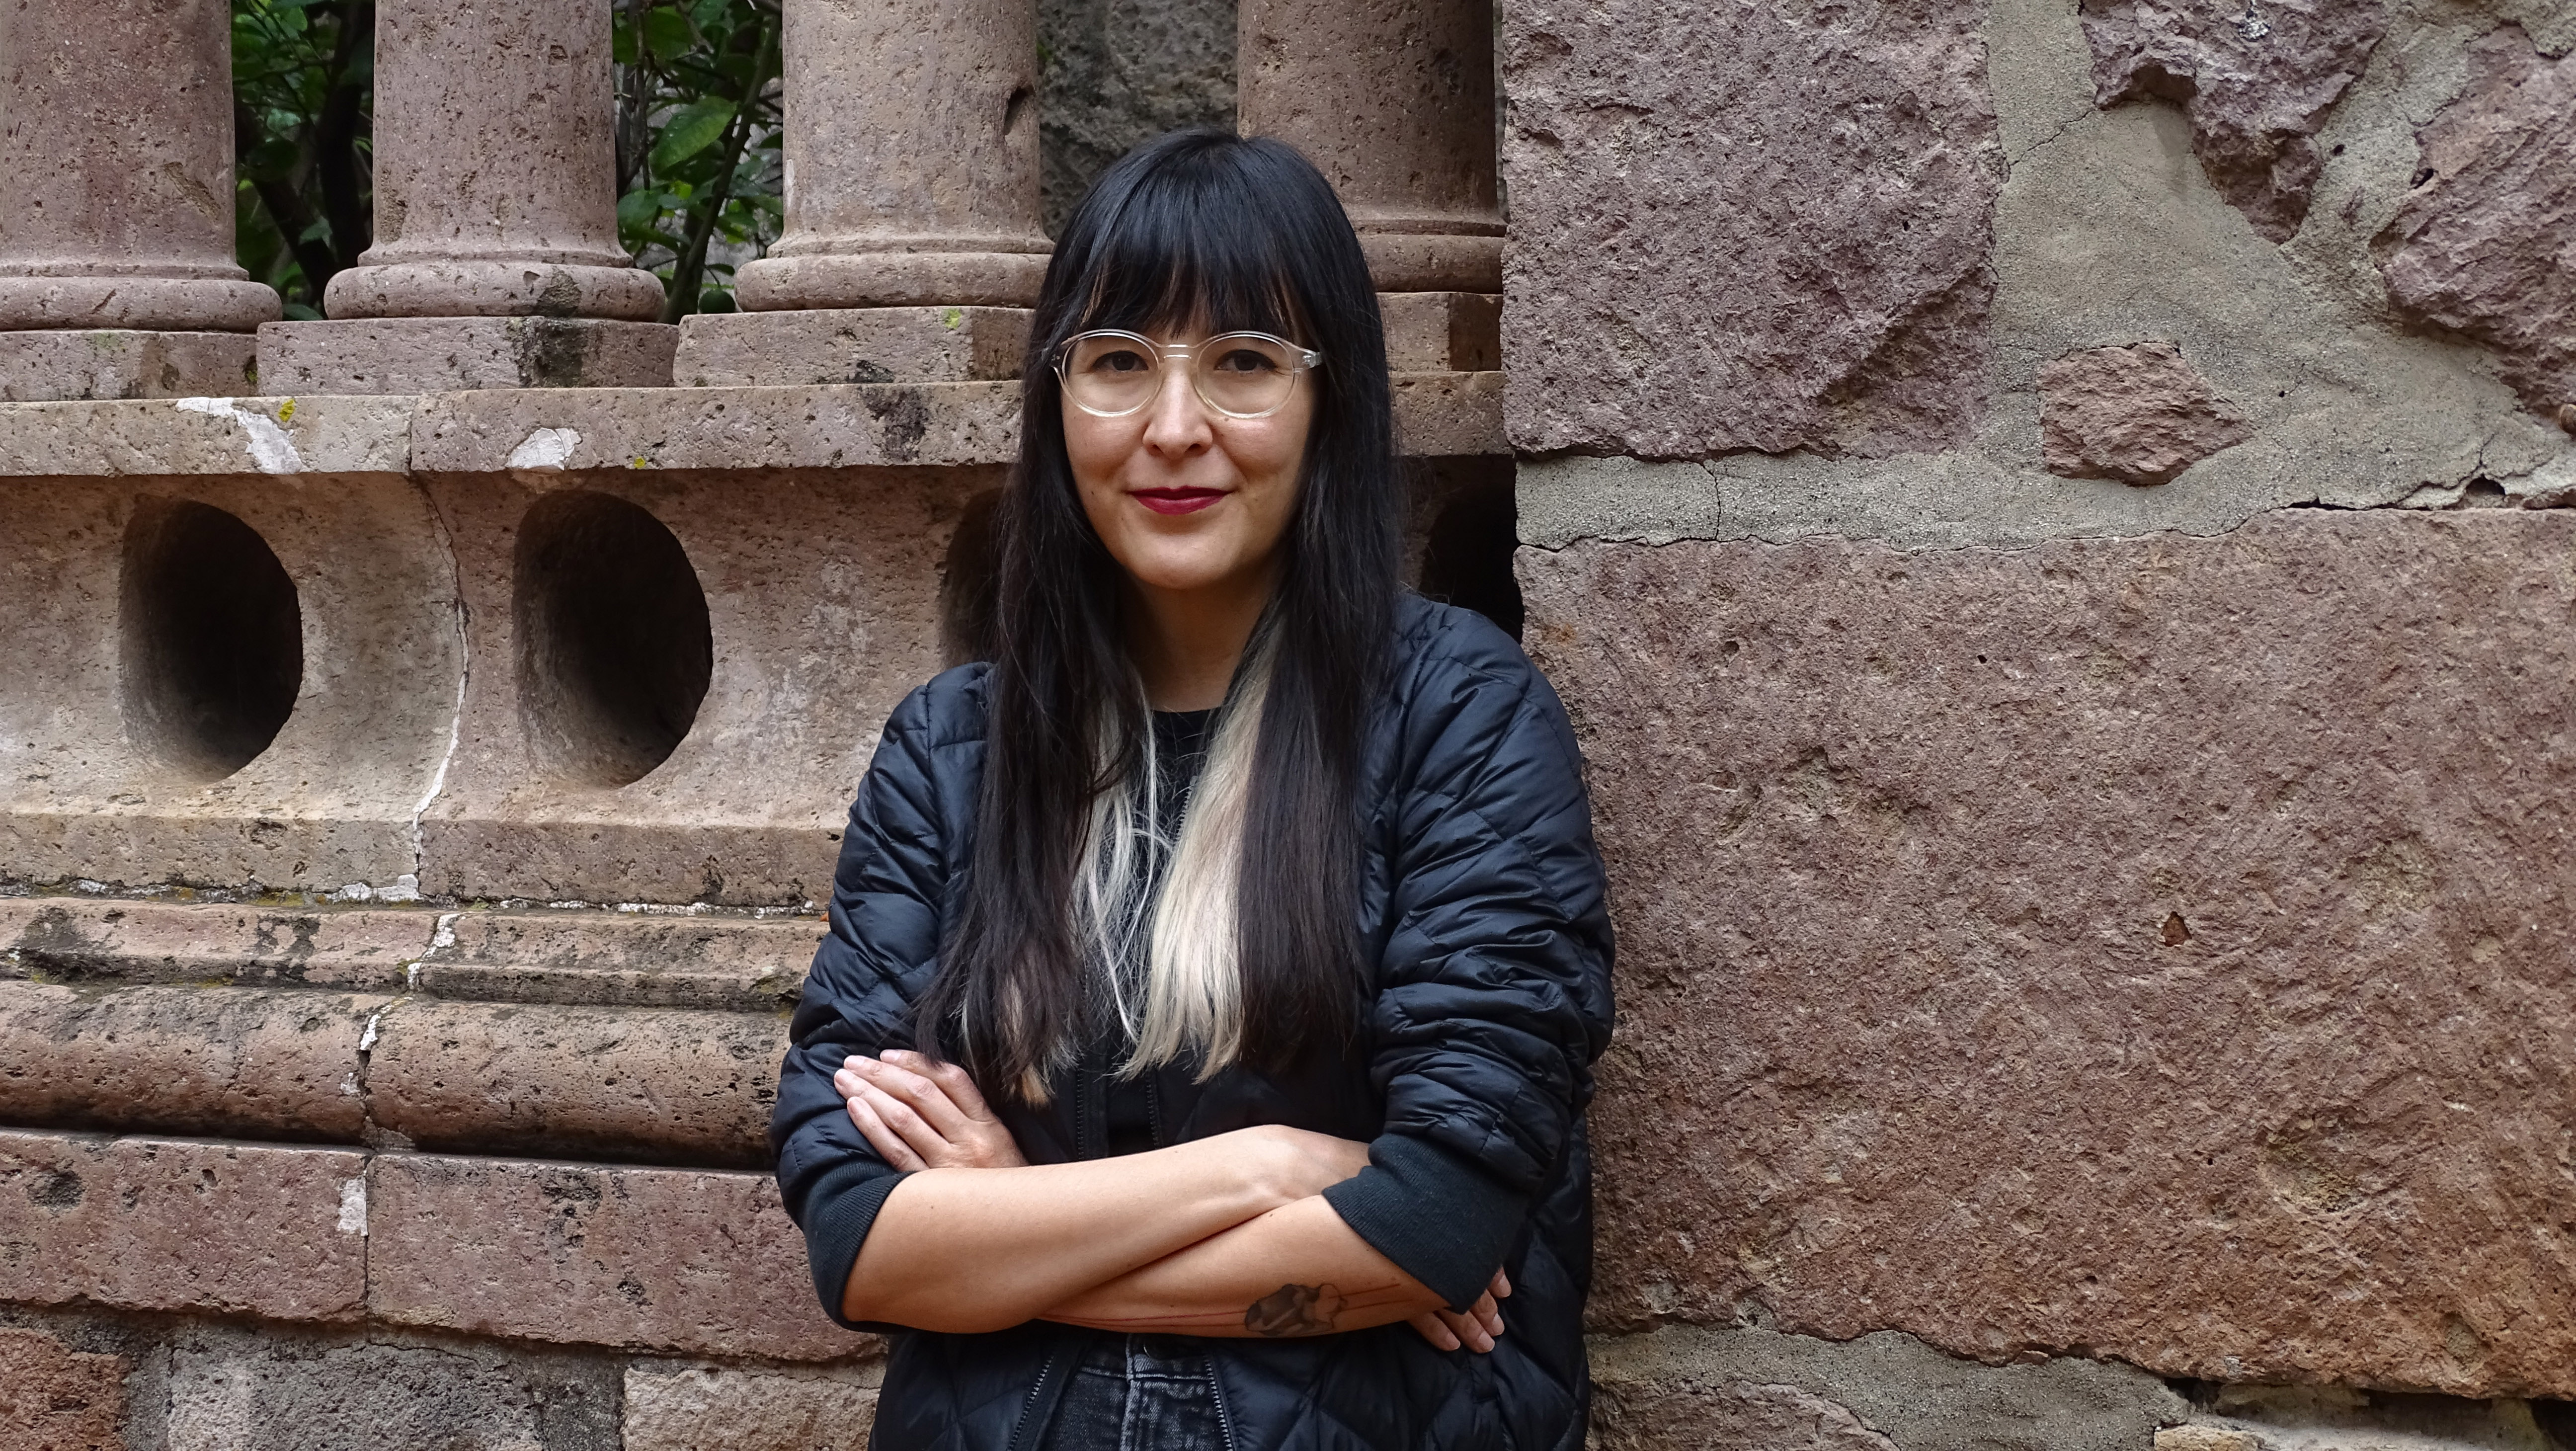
column 1177, row 501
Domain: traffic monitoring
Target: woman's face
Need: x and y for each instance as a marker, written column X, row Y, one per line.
column 1187, row 498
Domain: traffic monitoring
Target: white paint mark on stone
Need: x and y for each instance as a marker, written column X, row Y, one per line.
column 547, row 448
column 353, row 1207
column 270, row 447
column 367, row 1039
column 445, row 936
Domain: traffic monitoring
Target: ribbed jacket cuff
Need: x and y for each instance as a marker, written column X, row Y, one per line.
column 1437, row 1214
column 837, row 1217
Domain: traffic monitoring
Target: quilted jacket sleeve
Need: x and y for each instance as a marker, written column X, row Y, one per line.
column 883, row 941
column 1494, row 987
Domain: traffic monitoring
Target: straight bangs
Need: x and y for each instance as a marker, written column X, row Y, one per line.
column 1249, row 951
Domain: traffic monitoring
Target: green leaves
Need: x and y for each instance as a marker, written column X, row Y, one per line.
column 692, row 129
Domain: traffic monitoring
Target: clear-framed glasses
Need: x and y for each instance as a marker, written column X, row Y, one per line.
column 1110, row 374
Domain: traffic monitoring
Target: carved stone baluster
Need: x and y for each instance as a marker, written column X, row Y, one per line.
column 116, row 245
column 495, row 261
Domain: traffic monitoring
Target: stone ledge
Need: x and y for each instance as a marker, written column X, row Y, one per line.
column 549, row 430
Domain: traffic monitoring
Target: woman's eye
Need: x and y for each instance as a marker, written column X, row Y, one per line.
column 1123, row 361
column 1246, row 360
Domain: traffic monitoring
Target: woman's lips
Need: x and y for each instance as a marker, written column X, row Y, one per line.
column 1177, row 501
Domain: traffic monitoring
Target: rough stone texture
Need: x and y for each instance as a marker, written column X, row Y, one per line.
column 649, row 1259
column 656, row 1085
column 190, row 437
column 1393, row 100
column 116, row 115
column 669, row 1407
column 911, row 153
column 2482, row 244
column 494, row 171
column 2257, row 85
column 2339, row 1418
column 1115, row 74
column 212, row 1060
column 173, row 1224
column 237, row 1389
column 89, row 940
column 1786, row 214
column 2139, row 414
column 2206, row 1438
column 91, row 789
column 852, row 345
column 42, row 367
column 453, row 354
column 730, row 428
column 732, row 963
column 2030, row 950
column 54, row 1398
column 1757, row 1390
column 1443, row 332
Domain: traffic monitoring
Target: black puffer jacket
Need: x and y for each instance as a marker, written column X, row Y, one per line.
column 1482, row 900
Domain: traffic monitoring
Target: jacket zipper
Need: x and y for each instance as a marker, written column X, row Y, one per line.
column 1224, row 1413
column 1046, row 1373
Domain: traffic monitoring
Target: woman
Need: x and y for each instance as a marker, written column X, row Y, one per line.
column 1198, row 1054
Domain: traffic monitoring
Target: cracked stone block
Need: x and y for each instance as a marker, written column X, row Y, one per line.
column 671, row 1260
column 669, row 1407
column 1773, row 236
column 54, row 1398
column 1909, row 1036
column 211, row 1060
column 174, row 1224
column 2139, row 414
column 2481, row 245
column 2256, row 80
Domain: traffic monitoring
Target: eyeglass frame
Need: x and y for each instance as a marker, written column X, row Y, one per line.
column 1308, row 359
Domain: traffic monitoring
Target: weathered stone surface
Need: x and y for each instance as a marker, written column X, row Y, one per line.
column 2139, row 414
column 174, row 1224
column 1393, row 100
column 2030, row 950
column 737, row 963
column 125, row 757
column 91, row 940
column 1450, row 415
column 851, row 345
column 405, row 355
column 652, row 1084
column 2256, row 84
column 730, row 428
column 1443, row 332
column 2206, row 1438
column 911, row 148
column 2482, row 244
column 54, row 1398
column 63, row 363
column 265, row 1389
column 697, row 1263
column 494, row 169
column 210, row 1060
column 116, row 117
column 214, row 436
column 1114, row 74
column 1724, row 248
column 1758, row 1390
column 670, row 1406
column 2252, row 1417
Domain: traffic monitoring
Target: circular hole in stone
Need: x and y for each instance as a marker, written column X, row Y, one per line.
column 614, row 645
column 212, row 648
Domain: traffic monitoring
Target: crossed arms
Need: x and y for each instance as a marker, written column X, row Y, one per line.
column 1224, row 1236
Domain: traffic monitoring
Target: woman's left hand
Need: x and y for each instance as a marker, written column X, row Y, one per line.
column 924, row 1115
column 1474, row 1330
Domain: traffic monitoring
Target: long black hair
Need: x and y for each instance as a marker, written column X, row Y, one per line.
column 1206, row 229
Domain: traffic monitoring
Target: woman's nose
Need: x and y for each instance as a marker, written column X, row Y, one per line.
column 1177, row 422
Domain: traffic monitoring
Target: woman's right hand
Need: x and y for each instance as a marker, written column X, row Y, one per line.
column 1476, row 1329
column 924, row 1115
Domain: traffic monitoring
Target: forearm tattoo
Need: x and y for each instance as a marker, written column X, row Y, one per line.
column 1295, row 1310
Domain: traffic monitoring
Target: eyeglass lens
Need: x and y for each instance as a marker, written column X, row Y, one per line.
column 1244, row 374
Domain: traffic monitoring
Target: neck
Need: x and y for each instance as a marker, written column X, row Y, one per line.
column 1186, row 643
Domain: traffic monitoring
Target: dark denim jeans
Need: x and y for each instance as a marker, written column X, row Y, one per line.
column 1138, row 1393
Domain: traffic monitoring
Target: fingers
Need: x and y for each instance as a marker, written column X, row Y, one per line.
column 1484, row 1313
column 885, row 1141
column 909, row 1127
column 1428, row 1326
column 1502, row 1289
column 925, row 1096
column 951, row 1078
column 1469, row 1330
